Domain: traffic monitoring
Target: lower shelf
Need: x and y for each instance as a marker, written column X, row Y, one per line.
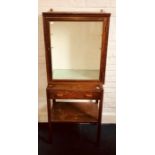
column 74, row 112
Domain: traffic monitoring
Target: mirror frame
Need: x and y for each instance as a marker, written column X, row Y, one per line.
column 70, row 16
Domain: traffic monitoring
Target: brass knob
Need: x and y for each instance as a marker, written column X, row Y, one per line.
column 89, row 95
column 59, row 95
column 97, row 87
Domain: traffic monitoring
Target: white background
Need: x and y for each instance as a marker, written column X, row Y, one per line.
column 135, row 77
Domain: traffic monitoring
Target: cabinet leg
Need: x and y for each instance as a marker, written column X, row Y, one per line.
column 96, row 101
column 99, row 120
column 54, row 100
column 49, row 120
column 98, row 134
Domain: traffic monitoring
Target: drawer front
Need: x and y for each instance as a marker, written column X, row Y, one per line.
column 74, row 95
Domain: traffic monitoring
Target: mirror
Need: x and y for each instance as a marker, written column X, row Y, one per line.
column 76, row 49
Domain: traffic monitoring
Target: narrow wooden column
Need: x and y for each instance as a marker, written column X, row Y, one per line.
column 99, row 120
column 54, row 101
column 49, row 117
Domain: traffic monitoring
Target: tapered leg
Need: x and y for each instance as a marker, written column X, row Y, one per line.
column 49, row 119
column 54, row 101
column 99, row 120
column 98, row 134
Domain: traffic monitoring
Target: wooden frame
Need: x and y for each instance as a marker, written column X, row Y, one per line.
column 75, row 89
column 57, row 16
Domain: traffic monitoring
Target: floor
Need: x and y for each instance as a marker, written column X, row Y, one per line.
column 74, row 139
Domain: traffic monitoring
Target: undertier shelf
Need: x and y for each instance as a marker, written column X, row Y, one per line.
column 75, row 112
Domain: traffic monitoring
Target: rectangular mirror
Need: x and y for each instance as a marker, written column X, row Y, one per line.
column 76, row 49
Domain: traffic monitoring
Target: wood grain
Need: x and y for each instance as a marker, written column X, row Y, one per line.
column 75, row 112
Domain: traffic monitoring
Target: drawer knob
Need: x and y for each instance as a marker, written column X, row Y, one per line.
column 97, row 87
column 89, row 95
column 59, row 95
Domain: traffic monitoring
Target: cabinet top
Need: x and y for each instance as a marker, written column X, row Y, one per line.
column 76, row 87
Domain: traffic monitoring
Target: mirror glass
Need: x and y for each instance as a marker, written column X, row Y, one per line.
column 76, row 49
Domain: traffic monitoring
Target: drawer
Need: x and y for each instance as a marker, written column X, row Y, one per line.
column 74, row 95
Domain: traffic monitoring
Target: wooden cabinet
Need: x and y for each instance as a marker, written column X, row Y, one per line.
column 76, row 49
column 73, row 91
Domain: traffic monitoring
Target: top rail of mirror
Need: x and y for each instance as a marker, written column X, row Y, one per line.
column 81, row 14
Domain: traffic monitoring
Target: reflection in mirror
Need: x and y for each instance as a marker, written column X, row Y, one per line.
column 76, row 50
